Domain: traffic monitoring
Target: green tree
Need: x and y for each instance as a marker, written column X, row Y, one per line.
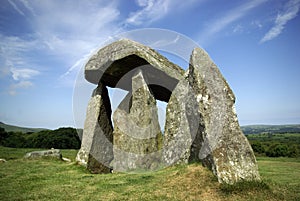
column 3, row 135
column 293, row 151
column 14, row 139
column 277, row 150
column 257, row 147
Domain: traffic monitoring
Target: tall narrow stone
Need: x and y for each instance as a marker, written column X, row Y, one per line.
column 181, row 127
column 96, row 150
column 225, row 149
column 137, row 135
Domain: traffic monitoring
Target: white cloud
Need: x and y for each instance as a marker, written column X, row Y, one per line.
column 71, row 30
column 27, row 5
column 291, row 10
column 14, row 61
column 20, row 85
column 23, row 74
column 13, row 50
column 257, row 24
column 16, row 7
column 238, row 29
column 62, row 31
column 227, row 19
column 152, row 10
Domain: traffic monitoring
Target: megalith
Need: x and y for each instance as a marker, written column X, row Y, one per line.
column 96, row 152
column 201, row 122
column 137, row 135
column 182, row 125
column 225, row 149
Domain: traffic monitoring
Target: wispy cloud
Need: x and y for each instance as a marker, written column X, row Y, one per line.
column 238, row 29
column 16, row 7
column 289, row 12
column 71, row 31
column 23, row 74
column 64, row 31
column 153, row 10
column 228, row 18
column 27, row 5
column 14, row 50
column 20, row 85
column 257, row 24
column 14, row 62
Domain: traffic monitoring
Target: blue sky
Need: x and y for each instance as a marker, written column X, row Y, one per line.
column 44, row 44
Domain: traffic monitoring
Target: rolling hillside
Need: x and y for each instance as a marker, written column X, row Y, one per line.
column 249, row 129
column 256, row 129
column 9, row 128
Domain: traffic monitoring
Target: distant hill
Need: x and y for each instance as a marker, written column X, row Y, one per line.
column 9, row 128
column 249, row 129
column 256, row 129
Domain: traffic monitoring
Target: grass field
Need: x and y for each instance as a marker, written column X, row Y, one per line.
column 22, row 179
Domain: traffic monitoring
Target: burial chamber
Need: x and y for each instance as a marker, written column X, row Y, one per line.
column 201, row 122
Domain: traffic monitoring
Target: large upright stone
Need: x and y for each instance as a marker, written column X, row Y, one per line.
column 225, row 149
column 96, row 150
column 137, row 135
column 183, row 123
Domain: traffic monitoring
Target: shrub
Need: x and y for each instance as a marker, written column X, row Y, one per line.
column 62, row 138
column 277, row 150
column 257, row 147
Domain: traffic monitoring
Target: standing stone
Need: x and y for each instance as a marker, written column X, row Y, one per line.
column 225, row 149
column 96, row 150
column 182, row 125
column 137, row 135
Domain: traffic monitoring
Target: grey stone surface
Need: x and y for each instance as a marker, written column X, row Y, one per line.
column 96, row 150
column 225, row 149
column 183, row 123
column 113, row 61
column 201, row 122
column 52, row 153
column 137, row 134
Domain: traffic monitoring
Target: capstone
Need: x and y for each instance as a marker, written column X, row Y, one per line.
column 115, row 60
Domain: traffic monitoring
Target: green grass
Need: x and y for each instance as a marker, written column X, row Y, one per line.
column 46, row 179
column 13, row 153
column 282, row 174
column 283, row 171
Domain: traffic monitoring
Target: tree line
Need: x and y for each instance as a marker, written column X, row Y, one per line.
column 275, row 145
column 264, row 144
column 62, row 138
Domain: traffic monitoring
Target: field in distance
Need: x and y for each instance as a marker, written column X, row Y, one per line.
column 257, row 129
